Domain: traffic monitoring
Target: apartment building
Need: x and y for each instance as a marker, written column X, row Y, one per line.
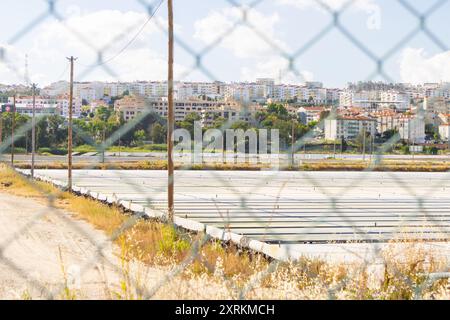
column 46, row 106
column 349, row 127
column 444, row 131
column 131, row 106
column 374, row 100
column 310, row 114
column 211, row 90
column 247, row 92
column 56, row 89
column 229, row 113
column 411, row 127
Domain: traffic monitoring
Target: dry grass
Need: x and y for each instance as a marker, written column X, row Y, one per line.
column 310, row 165
column 385, row 166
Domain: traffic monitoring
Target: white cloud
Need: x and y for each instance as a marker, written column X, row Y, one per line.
column 364, row 5
column 369, row 7
column 262, row 58
column 82, row 35
column 12, row 68
column 242, row 40
column 416, row 66
column 275, row 67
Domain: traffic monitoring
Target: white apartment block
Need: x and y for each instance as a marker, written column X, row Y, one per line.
column 43, row 106
column 62, row 103
column 187, row 90
column 131, row 106
column 374, row 100
column 88, row 91
column 310, row 114
column 436, row 105
column 47, row 106
column 229, row 113
column 244, row 92
column 247, row 92
column 444, row 131
column 349, row 127
column 411, row 128
column 185, row 107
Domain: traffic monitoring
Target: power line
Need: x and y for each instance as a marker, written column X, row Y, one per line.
column 130, row 42
column 63, row 73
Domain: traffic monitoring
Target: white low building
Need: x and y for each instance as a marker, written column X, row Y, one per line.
column 444, row 131
column 411, row 128
column 46, row 106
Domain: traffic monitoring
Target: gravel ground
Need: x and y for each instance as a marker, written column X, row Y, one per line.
column 43, row 249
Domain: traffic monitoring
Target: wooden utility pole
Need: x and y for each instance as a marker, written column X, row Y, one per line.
column 364, row 144
column 33, row 131
column 70, row 137
column 334, row 149
column 171, row 118
column 1, row 126
column 13, row 124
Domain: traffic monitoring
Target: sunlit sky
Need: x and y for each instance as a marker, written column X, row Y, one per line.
column 243, row 54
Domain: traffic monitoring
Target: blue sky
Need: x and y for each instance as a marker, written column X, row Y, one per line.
column 243, row 54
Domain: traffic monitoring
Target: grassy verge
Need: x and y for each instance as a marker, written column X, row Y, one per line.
column 145, row 148
column 401, row 275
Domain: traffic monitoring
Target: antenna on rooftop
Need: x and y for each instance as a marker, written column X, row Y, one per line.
column 27, row 76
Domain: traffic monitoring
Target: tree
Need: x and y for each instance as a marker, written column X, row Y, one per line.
column 387, row 135
column 240, row 125
column 324, row 115
column 139, row 137
column 158, row 134
column 188, row 122
column 278, row 110
column 219, row 122
column 362, row 141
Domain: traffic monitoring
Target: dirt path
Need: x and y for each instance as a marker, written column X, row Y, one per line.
column 42, row 250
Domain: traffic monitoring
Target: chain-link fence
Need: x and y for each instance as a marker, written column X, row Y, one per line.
column 270, row 203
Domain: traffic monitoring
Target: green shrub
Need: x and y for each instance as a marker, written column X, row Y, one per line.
column 17, row 150
column 170, row 243
column 85, row 148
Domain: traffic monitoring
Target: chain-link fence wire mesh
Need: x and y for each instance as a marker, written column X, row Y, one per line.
column 149, row 196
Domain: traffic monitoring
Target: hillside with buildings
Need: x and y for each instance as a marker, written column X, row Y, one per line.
column 419, row 114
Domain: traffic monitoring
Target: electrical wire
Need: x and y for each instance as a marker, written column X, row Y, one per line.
column 129, row 42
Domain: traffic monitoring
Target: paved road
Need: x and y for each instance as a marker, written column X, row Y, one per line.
column 291, row 208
